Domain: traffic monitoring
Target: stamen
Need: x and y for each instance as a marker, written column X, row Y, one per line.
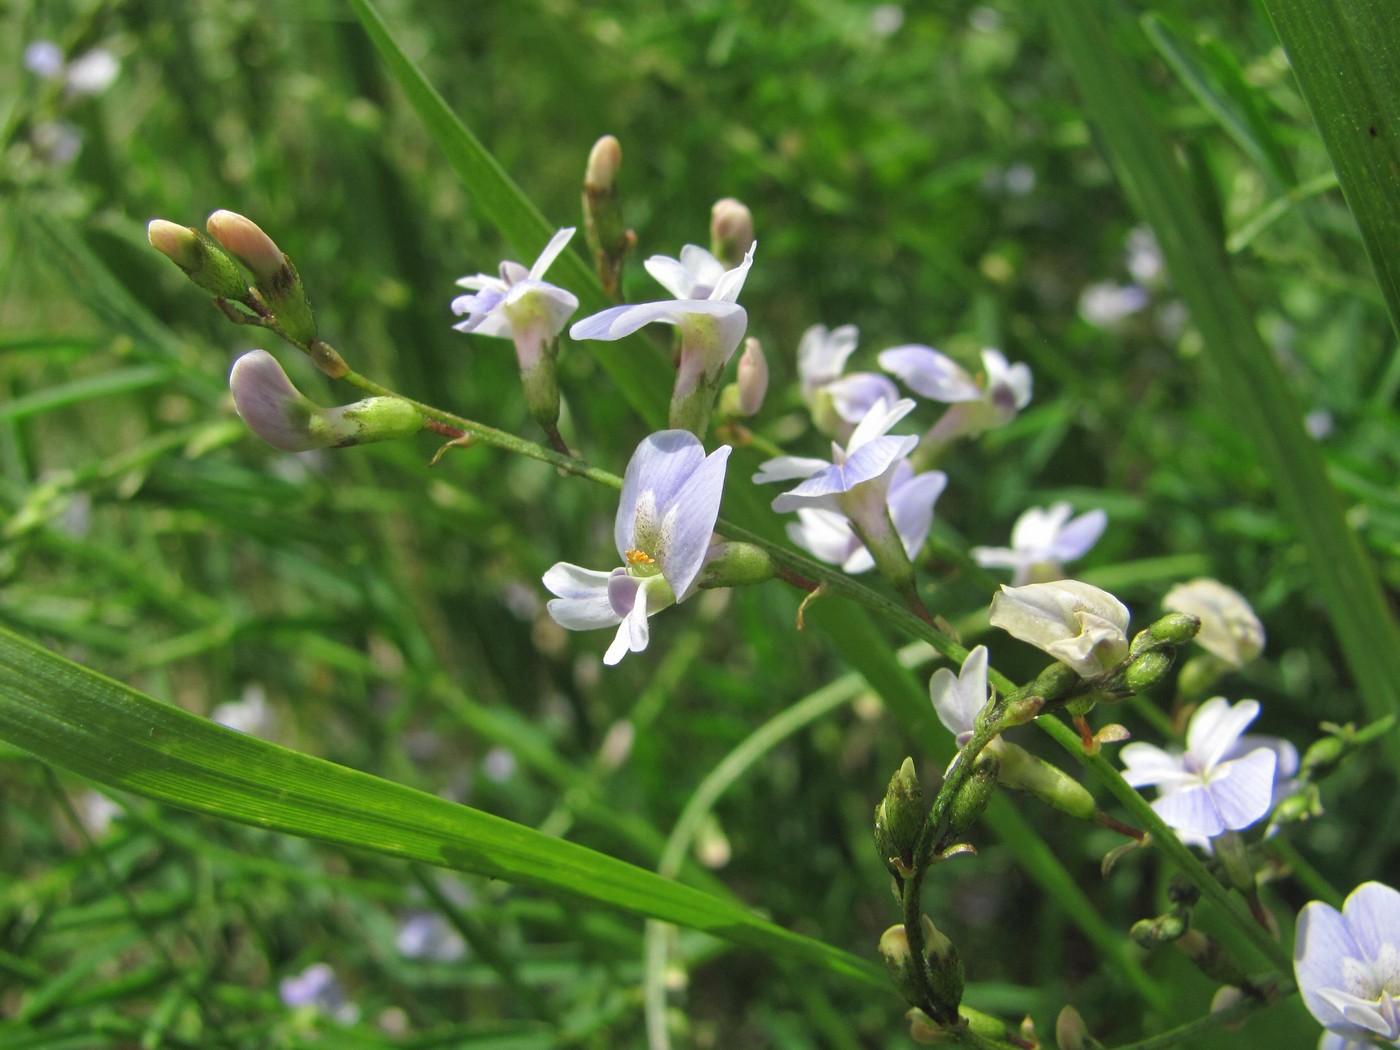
column 637, row 557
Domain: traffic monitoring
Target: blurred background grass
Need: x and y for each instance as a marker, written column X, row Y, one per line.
column 926, row 175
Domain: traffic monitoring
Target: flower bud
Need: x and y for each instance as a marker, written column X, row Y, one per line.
column 203, row 261
column 273, row 273
column 1076, row 623
column 736, row 564
column 1174, row 629
column 607, row 235
column 1162, row 930
column 1022, row 771
column 1071, row 1033
column 974, row 794
column 731, row 231
column 900, row 963
column 900, row 817
column 1229, row 628
column 282, row 416
column 753, row 378
column 1146, row 671
column 945, row 967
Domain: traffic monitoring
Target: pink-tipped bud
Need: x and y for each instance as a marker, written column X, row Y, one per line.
column 731, row 231
column 203, row 261
column 603, row 163
column 753, row 378
column 244, row 239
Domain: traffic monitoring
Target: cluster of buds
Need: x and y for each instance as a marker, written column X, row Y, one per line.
column 931, row 980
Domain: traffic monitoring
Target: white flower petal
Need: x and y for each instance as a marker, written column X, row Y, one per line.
column 1215, row 728
column 556, row 244
column 582, row 603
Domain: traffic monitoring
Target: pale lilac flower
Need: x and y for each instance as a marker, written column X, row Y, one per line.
column 827, row 534
column 978, row 403
column 1204, row 792
column 957, row 698
column 707, row 313
column 317, row 988
column 91, row 73
column 1348, row 967
column 670, row 502
column 1042, row 540
column 1076, row 623
column 1107, row 305
column 1229, row 630
column 427, row 935
column 519, row 304
column 837, row 402
column 44, row 59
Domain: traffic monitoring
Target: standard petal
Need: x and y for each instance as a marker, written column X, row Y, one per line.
column 878, row 421
column 656, row 472
column 1191, row 809
column 551, row 252
column 1078, row 536
column 1242, row 790
column 1322, row 945
column 1215, row 728
column 1372, row 912
column 689, row 520
column 671, row 274
column 582, row 603
column 821, row 354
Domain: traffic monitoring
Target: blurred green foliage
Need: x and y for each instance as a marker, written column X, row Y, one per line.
column 925, row 174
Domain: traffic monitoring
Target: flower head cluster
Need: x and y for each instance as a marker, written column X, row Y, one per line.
column 705, row 310
column 1223, row 781
column 978, row 403
column 670, row 502
column 1042, row 540
column 837, row 402
column 1348, row 967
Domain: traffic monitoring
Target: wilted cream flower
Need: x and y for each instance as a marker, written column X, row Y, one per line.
column 1076, row 623
column 1229, row 628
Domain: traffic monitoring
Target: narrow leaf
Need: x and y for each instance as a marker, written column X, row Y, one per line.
column 98, row 728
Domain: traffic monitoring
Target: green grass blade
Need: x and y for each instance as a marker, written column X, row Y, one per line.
column 64, row 395
column 525, row 229
column 1244, row 377
column 1346, row 56
column 98, row 728
column 1213, row 76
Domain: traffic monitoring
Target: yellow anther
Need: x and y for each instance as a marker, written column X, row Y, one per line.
column 636, row 557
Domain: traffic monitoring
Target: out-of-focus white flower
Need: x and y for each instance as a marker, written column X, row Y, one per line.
column 1229, row 628
column 1076, row 623
column 1143, row 255
column 1204, row 791
column 44, row 59
column 1319, row 424
column 249, row 714
column 1042, row 540
column 97, row 812
column 427, row 935
column 56, row 141
column 1107, row 305
column 91, row 73
column 498, row 765
column 1348, row 967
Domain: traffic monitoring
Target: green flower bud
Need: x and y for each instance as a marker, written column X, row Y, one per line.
column 1162, row 930
column 735, row 564
column 900, row 963
column 1071, row 1033
column 900, row 816
column 1146, row 671
column 946, row 974
column 1323, row 756
column 973, row 795
column 1022, row 771
column 608, row 237
column 1175, row 629
column 201, row 259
